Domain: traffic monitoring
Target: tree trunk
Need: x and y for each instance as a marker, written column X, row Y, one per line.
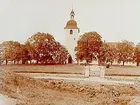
column 37, row 62
column 111, row 63
column 6, row 61
column 14, row 62
column 21, row 60
column 123, row 63
column 137, row 63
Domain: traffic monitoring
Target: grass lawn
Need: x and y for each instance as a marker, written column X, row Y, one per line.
column 71, row 68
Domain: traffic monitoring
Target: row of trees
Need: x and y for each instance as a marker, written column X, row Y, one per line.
column 41, row 48
column 91, row 47
column 44, row 49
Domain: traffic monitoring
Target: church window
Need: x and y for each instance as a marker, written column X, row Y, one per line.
column 71, row 32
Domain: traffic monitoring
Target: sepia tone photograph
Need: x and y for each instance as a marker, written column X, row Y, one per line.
column 69, row 52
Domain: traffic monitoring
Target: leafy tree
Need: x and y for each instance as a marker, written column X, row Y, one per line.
column 108, row 53
column 125, row 51
column 60, row 55
column 88, row 46
column 37, row 47
column 1, row 53
column 137, row 54
column 12, row 51
column 45, row 49
column 24, row 54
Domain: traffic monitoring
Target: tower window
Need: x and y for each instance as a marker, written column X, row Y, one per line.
column 71, row 32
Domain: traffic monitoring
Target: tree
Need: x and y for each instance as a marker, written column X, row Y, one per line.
column 1, row 53
column 37, row 47
column 137, row 54
column 60, row 56
column 24, row 54
column 12, row 51
column 88, row 46
column 125, row 50
column 45, row 49
column 108, row 53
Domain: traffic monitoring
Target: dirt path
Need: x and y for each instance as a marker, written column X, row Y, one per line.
column 78, row 78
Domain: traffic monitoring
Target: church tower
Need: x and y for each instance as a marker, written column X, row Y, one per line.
column 72, row 35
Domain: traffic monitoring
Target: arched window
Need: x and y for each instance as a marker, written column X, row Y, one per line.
column 71, row 32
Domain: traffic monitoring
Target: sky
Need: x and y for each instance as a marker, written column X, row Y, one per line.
column 114, row 20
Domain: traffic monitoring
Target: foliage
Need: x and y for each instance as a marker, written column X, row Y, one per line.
column 108, row 53
column 1, row 53
column 12, row 51
column 137, row 53
column 45, row 49
column 125, row 51
column 24, row 54
column 88, row 46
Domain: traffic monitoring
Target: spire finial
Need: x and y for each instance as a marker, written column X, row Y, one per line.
column 72, row 14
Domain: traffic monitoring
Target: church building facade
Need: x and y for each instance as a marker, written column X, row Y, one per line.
column 72, row 35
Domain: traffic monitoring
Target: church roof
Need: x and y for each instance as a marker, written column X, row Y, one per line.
column 71, row 24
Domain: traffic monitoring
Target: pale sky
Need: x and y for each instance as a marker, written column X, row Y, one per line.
column 114, row 20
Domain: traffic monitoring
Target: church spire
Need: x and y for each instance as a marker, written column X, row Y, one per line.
column 72, row 14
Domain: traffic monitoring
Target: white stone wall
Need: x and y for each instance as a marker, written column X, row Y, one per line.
column 95, row 71
column 71, row 41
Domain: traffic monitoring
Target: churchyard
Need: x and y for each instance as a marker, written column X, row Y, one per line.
column 44, row 85
column 43, row 71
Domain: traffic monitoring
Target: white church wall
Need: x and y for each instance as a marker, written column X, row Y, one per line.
column 71, row 41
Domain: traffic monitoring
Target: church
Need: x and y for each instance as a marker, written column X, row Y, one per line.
column 72, row 35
